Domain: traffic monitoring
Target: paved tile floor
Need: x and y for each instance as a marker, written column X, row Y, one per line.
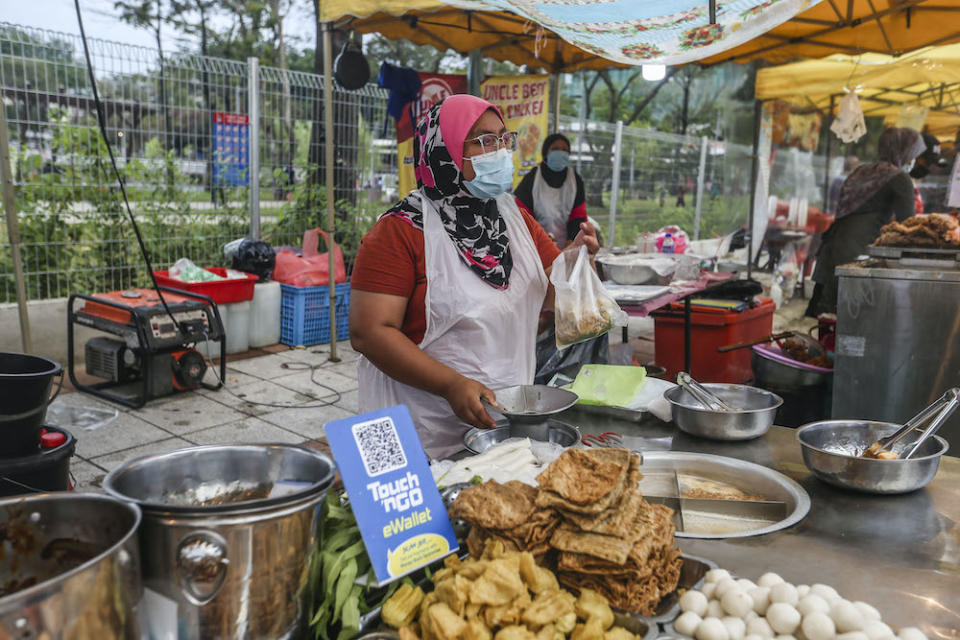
column 288, row 380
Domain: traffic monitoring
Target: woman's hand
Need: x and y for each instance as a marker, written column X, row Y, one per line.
column 587, row 237
column 464, row 394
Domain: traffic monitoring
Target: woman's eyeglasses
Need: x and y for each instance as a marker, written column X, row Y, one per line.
column 492, row 142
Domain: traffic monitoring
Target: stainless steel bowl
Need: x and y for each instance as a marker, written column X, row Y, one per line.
column 533, row 402
column 630, row 269
column 757, row 409
column 831, row 450
column 479, row 440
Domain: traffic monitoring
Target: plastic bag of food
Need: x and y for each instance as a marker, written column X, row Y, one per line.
column 185, row 271
column 583, row 309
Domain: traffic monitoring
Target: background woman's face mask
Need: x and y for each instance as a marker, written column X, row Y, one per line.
column 558, row 159
column 494, row 173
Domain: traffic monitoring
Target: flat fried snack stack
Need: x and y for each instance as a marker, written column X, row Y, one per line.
column 589, row 512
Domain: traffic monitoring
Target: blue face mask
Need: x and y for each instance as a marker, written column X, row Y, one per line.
column 494, row 173
column 558, row 159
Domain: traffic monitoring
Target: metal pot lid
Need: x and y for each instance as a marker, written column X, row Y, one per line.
column 222, row 478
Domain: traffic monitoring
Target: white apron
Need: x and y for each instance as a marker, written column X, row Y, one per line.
column 481, row 332
column 551, row 207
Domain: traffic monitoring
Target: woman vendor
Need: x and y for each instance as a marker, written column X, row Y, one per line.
column 871, row 195
column 553, row 192
column 449, row 283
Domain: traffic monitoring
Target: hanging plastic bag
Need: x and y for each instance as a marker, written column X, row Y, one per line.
column 312, row 269
column 583, row 309
column 185, row 270
column 849, row 124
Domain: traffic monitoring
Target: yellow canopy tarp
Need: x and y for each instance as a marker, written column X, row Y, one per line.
column 463, row 27
column 927, row 78
column 889, row 27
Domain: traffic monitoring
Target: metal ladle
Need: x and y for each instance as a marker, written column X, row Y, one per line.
column 945, row 405
column 701, row 394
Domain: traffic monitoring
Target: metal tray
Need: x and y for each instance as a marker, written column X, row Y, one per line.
column 479, row 440
column 770, row 484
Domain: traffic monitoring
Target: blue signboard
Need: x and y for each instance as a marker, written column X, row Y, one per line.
column 402, row 517
column 231, row 149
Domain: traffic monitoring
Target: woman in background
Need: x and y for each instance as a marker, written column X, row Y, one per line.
column 553, row 192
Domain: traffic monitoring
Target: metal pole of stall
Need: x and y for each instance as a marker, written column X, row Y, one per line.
column 826, row 169
column 701, row 171
column 582, row 113
column 13, row 230
column 474, row 72
column 755, row 167
column 615, row 182
column 253, row 152
column 555, row 102
column 328, row 160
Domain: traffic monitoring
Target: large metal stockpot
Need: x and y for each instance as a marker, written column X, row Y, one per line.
column 226, row 533
column 69, row 567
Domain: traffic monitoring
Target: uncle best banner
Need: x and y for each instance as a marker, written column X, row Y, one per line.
column 524, row 102
column 434, row 87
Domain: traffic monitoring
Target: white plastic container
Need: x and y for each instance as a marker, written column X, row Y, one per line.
column 237, row 326
column 265, row 314
column 209, row 348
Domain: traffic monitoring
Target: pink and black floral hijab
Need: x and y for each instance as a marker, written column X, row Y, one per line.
column 474, row 224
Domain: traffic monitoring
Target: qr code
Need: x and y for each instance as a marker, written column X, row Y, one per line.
column 379, row 446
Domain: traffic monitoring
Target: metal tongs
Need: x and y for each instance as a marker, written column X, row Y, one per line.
column 701, row 394
column 945, row 405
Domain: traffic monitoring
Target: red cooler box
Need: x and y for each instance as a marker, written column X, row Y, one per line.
column 710, row 329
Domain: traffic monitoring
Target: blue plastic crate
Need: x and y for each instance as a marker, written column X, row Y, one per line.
column 305, row 315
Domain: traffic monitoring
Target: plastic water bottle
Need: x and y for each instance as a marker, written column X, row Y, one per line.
column 668, row 243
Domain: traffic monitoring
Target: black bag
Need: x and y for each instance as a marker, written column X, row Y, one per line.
column 551, row 361
column 256, row 257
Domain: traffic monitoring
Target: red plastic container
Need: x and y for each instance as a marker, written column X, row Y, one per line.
column 711, row 329
column 222, row 291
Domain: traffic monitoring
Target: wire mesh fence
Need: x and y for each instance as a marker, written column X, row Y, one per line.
column 181, row 129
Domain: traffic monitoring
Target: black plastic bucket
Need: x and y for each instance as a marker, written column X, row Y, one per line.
column 43, row 471
column 25, row 383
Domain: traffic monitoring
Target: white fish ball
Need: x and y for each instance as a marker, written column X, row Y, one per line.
column 750, row 616
column 783, row 618
column 846, row 616
column 746, row 585
column 723, row 586
column 715, row 610
column 784, row 592
column 736, row 627
column 712, row 629
column 803, row 589
column 912, row 633
column 785, row 636
column 716, row 575
column 825, row 591
column 810, row 603
column 877, row 630
column 736, row 603
column 868, row 611
column 760, row 627
column 817, row 625
column 687, row 623
column 761, row 599
column 708, row 588
column 694, row 601
column 853, row 635
column 769, row 579
column 753, row 636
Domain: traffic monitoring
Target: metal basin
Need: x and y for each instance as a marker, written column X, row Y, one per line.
column 630, row 269
column 757, row 409
column 533, row 402
column 479, row 440
column 226, row 534
column 71, row 567
column 774, row 369
column 831, row 450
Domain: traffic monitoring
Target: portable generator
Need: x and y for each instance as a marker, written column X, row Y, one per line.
column 148, row 354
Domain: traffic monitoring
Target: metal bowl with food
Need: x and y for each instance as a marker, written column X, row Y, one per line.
column 561, row 433
column 533, row 402
column 752, row 416
column 832, row 450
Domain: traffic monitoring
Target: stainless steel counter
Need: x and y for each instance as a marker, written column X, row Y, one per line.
column 899, row 553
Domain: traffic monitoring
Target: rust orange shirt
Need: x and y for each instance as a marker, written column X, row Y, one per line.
column 391, row 261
